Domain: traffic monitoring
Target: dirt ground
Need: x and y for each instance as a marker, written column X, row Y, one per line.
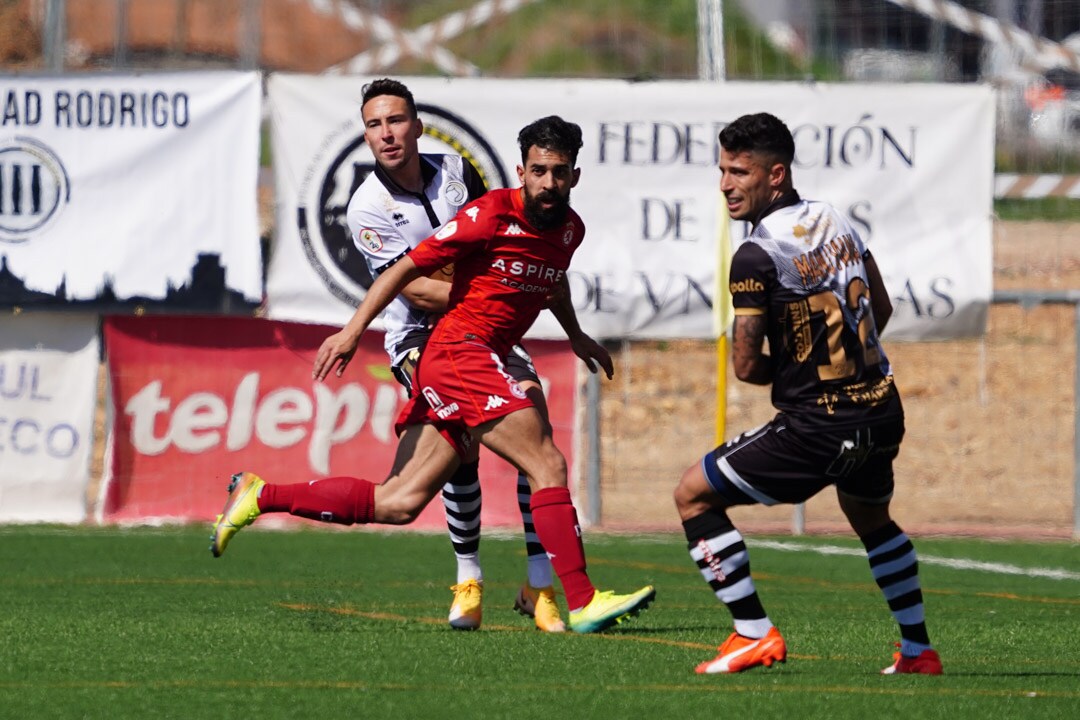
column 989, row 445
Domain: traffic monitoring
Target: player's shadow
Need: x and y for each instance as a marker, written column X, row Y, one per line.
column 636, row 630
column 1016, row 674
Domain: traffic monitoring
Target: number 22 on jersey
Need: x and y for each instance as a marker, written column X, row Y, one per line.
column 827, row 304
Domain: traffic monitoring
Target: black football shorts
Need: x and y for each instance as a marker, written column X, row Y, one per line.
column 778, row 464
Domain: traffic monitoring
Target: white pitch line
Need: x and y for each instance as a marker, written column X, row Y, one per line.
column 954, row 563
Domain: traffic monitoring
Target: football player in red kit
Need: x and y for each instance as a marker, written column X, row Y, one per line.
column 510, row 249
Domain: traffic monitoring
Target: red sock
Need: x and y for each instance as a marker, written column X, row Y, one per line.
column 344, row 500
column 557, row 527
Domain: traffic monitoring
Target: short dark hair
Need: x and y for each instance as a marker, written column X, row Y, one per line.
column 388, row 86
column 551, row 133
column 762, row 133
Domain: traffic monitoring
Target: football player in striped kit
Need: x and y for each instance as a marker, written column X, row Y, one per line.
column 805, row 281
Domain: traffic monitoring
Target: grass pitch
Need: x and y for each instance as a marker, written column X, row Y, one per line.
column 109, row 623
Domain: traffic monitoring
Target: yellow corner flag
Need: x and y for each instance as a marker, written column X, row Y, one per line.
column 722, row 314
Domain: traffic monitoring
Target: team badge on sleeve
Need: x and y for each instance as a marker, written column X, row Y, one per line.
column 371, row 239
column 456, row 193
column 449, row 229
column 568, row 233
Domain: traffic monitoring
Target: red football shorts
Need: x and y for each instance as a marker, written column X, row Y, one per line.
column 460, row 386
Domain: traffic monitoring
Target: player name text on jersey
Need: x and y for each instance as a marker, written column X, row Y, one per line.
column 824, row 260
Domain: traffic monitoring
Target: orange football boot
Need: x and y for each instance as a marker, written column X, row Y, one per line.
column 740, row 653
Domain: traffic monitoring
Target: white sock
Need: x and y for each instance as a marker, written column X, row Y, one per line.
column 468, row 568
column 539, row 571
column 753, row 629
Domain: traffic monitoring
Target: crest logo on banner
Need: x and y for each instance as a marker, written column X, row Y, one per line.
column 335, row 174
column 34, row 188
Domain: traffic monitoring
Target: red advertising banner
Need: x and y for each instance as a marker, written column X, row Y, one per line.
column 198, row 398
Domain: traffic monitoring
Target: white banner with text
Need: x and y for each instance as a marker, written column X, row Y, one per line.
column 137, row 191
column 48, row 389
column 910, row 165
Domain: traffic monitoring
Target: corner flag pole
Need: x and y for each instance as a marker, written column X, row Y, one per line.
column 722, row 314
column 713, row 68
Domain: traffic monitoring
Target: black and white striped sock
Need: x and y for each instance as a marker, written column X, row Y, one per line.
column 461, row 500
column 896, row 570
column 720, row 553
column 539, row 566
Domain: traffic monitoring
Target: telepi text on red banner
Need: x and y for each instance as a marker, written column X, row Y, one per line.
column 196, row 399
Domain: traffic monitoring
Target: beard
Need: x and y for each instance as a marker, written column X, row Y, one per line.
column 543, row 218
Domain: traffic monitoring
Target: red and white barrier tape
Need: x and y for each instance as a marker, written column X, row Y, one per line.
column 1008, row 185
column 1046, row 54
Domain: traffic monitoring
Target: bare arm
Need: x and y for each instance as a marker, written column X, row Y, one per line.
column 338, row 349
column 879, row 296
column 429, row 295
column 583, row 346
column 752, row 365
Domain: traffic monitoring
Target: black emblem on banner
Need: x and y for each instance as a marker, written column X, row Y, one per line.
column 34, row 188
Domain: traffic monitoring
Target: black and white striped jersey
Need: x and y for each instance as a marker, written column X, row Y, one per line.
column 803, row 268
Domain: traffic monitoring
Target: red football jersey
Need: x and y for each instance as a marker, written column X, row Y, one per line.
column 504, row 269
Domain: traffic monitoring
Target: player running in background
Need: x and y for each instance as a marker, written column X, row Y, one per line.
column 407, row 198
column 804, row 280
column 511, row 249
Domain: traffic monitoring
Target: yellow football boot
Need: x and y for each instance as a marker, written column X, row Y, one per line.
column 539, row 604
column 467, row 610
column 607, row 609
column 241, row 509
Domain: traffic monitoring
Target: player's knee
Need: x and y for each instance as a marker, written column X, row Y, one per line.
column 865, row 517
column 683, row 496
column 689, row 493
column 551, row 470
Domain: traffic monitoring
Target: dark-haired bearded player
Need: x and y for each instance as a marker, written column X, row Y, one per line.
column 511, row 249
column 407, row 198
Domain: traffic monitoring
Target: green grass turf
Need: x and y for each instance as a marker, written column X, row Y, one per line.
column 1055, row 209
column 109, row 623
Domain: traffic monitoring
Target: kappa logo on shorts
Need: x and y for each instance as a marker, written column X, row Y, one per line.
column 494, row 401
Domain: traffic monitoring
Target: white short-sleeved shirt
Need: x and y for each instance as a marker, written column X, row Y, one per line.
column 386, row 221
